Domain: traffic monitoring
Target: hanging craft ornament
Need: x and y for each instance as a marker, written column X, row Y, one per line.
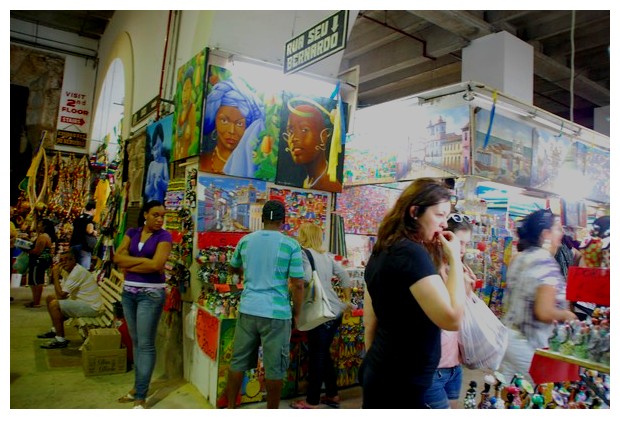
column 337, row 136
column 33, row 176
column 492, row 116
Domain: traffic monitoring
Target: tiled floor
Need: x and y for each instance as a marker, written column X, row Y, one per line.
column 53, row 379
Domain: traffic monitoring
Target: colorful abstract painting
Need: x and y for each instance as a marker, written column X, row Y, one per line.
column 303, row 206
column 363, row 207
column 188, row 107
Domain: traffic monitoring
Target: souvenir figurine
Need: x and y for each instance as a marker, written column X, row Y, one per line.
column 470, row 396
column 554, row 340
column 537, row 401
column 558, row 400
column 581, row 395
column 595, row 344
column 596, row 403
column 499, row 382
column 513, row 400
column 580, row 348
column 484, row 397
column 566, row 342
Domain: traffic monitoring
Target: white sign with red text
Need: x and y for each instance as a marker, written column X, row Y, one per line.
column 76, row 105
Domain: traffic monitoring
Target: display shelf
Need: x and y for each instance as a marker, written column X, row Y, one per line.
column 586, row 363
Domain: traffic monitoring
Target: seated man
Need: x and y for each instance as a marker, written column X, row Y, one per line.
column 77, row 296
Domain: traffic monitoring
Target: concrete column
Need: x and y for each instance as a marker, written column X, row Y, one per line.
column 602, row 120
column 503, row 62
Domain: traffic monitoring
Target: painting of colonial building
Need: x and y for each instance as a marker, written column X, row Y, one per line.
column 507, row 156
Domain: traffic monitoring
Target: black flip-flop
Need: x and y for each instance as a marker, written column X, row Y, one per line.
column 329, row 402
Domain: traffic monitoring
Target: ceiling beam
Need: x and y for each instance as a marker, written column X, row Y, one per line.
column 414, row 84
column 406, row 73
column 463, row 24
column 466, row 25
column 496, row 17
column 562, row 25
column 405, row 53
column 375, row 34
column 549, row 69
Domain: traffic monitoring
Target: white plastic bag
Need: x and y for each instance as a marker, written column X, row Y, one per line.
column 16, row 280
column 482, row 337
column 190, row 322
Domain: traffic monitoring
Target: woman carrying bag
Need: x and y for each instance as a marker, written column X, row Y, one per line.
column 321, row 367
column 535, row 293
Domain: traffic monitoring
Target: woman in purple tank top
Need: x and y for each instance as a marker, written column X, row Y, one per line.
column 141, row 256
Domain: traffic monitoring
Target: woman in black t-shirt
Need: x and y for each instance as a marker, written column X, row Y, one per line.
column 406, row 303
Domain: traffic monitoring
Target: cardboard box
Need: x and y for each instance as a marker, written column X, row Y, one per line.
column 103, row 339
column 101, row 362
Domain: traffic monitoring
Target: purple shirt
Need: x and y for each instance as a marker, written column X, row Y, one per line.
column 148, row 251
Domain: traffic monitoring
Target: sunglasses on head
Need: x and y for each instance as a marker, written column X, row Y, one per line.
column 457, row 217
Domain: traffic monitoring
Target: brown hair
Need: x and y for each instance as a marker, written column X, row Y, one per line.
column 399, row 224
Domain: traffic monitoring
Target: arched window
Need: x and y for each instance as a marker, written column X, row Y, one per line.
column 109, row 112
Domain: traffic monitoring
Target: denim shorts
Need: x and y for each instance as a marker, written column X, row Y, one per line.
column 446, row 386
column 273, row 334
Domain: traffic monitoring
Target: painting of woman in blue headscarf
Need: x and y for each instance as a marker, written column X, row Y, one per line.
column 188, row 105
column 235, row 138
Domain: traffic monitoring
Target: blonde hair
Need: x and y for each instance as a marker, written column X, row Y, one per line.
column 311, row 237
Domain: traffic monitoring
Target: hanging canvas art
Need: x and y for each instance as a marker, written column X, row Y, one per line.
column 595, row 164
column 372, row 152
column 188, row 107
column 507, row 156
column 302, row 206
column 311, row 155
column 228, row 204
column 363, row 207
column 439, row 140
column 158, row 145
column 549, row 152
column 241, row 124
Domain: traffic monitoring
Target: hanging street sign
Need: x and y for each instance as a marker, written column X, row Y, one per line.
column 71, row 138
column 322, row 40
